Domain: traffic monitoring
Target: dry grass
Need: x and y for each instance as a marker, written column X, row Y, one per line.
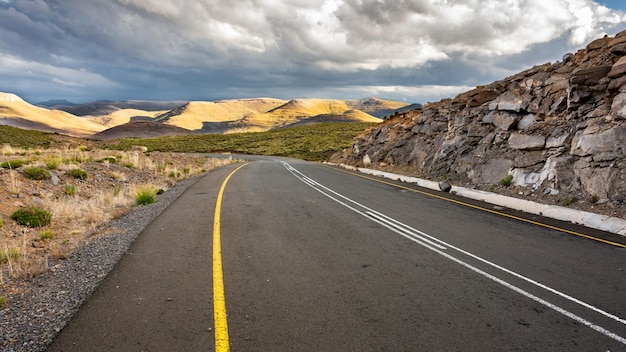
column 107, row 193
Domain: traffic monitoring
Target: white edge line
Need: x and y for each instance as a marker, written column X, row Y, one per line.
column 481, row 272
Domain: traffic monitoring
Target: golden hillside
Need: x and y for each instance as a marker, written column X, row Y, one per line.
column 194, row 114
column 17, row 113
column 122, row 116
column 298, row 110
column 222, row 116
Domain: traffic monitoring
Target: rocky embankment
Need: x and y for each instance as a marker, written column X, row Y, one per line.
column 558, row 129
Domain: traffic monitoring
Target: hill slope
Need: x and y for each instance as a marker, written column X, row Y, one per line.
column 557, row 129
column 223, row 116
column 17, row 113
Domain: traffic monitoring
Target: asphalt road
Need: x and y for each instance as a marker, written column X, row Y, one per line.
column 317, row 259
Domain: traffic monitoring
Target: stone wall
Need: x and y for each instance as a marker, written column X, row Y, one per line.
column 556, row 128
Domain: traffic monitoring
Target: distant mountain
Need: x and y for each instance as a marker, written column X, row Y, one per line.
column 55, row 102
column 141, row 129
column 382, row 108
column 223, row 116
column 106, row 107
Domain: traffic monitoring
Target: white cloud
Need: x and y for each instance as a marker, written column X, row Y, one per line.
column 228, row 44
column 13, row 66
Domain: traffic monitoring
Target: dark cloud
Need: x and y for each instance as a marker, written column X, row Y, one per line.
column 189, row 49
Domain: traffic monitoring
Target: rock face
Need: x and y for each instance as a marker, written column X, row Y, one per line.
column 555, row 128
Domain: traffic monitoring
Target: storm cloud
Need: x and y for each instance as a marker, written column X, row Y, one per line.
column 417, row 51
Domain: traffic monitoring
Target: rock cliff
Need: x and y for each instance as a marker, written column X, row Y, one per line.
column 558, row 129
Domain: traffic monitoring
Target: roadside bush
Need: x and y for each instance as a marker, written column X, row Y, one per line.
column 79, row 174
column 32, row 217
column 12, row 164
column 36, row 173
column 1, row 222
column 145, row 195
column 507, row 181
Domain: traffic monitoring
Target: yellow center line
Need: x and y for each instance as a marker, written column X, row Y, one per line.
column 487, row 210
column 219, row 301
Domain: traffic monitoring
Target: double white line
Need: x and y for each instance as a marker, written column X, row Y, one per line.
column 440, row 248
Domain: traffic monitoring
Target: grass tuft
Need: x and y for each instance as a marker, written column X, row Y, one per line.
column 32, row 217
column 507, row 181
column 36, row 173
column 145, row 195
column 78, row 173
column 46, row 235
column 12, row 164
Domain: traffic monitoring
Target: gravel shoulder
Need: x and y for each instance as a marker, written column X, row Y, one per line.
column 42, row 306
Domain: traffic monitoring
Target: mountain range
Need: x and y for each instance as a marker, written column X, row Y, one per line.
column 139, row 118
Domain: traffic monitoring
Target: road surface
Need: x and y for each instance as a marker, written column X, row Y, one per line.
column 314, row 258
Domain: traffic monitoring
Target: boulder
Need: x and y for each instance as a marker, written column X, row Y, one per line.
column 593, row 141
column 526, row 121
column 526, row 142
column 367, row 161
column 618, row 69
column 503, row 120
column 589, row 75
column 445, row 186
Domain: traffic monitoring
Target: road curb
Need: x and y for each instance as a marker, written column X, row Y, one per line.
column 580, row 217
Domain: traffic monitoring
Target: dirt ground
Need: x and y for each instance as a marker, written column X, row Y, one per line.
column 78, row 205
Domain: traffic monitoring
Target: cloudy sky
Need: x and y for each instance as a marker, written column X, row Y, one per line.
column 411, row 50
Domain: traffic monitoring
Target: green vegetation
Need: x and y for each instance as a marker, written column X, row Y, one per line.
column 36, row 173
column 145, row 195
column 46, row 235
column 3, row 302
column 1, row 222
column 53, row 163
column 78, row 173
column 315, row 142
column 24, row 138
column 70, row 189
column 32, row 217
column 507, row 181
column 12, row 164
column 568, row 200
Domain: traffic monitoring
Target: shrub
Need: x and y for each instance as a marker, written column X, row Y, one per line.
column 145, row 195
column 46, row 235
column 568, row 200
column 1, row 222
column 12, row 164
column 36, row 173
column 70, row 189
column 53, row 163
column 507, row 181
column 32, row 217
column 79, row 174
column 3, row 302
column 594, row 198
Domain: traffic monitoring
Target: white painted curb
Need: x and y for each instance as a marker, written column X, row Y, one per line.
column 595, row 221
